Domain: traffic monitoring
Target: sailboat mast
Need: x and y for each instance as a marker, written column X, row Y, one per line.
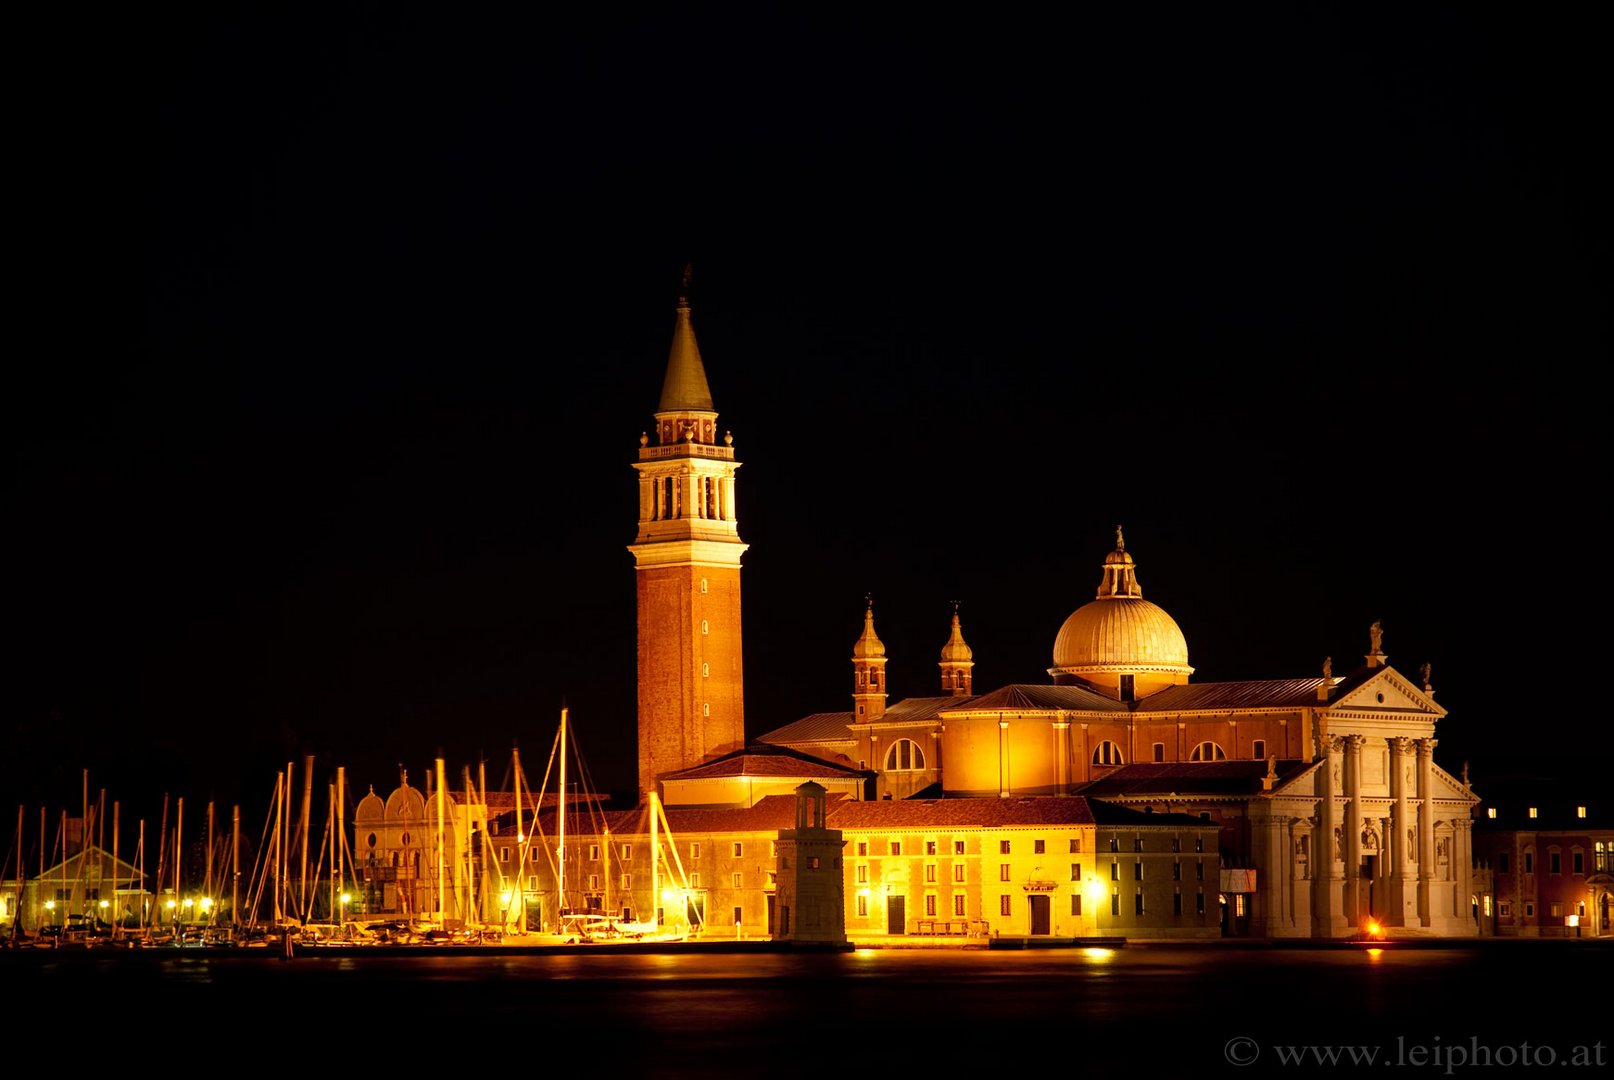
column 655, row 865
column 442, row 809
column 179, row 840
column 560, row 852
column 521, row 850
column 116, row 917
column 308, row 800
column 235, row 866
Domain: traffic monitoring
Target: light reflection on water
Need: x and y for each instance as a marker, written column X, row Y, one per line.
column 708, row 1013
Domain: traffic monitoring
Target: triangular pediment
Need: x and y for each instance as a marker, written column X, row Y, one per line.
column 1387, row 691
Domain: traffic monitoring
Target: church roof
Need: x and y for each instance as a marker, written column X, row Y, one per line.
column 1190, row 778
column 1108, row 813
column 685, row 388
column 1039, row 696
column 824, row 727
column 762, row 760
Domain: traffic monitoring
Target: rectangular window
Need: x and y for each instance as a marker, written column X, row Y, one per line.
column 695, row 880
column 594, row 852
column 1003, row 871
column 930, row 871
column 1529, row 911
column 1199, row 903
column 1115, row 870
column 504, row 855
column 532, row 883
column 1003, row 847
column 1075, row 871
column 1199, row 843
column 1239, row 900
column 627, row 853
column 1137, row 843
column 958, row 847
column 958, row 871
column 1159, row 752
column 812, row 862
column 1176, row 901
column 958, row 904
column 862, row 847
column 1258, row 749
column 738, row 879
column 1176, row 843
column 627, row 882
column 1502, row 863
column 695, row 850
column 1038, row 847
column 1005, row 904
column 1529, row 862
column 862, row 874
column 1556, row 910
column 1075, row 845
column 1137, row 869
column 739, row 915
column 1504, row 909
column 1176, row 870
column 863, row 906
column 1075, row 903
column 1137, row 902
column 739, row 849
column 1487, row 905
column 1199, row 871
column 1554, row 862
column 1115, row 843
column 1579, row 863
column 1115, row 905
column 930, row 847
column 930, row 904
column 896, row 847
column 594, row 883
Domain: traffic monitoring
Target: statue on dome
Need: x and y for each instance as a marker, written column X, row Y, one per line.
column 1376, row 635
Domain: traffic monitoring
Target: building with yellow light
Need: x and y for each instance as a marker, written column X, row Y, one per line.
column 1119, row 798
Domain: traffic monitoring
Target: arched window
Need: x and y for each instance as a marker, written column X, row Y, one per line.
column 1208, row 751
column 1107, row 753
column 904, row 756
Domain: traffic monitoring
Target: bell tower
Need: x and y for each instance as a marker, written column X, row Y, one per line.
column 687, row 567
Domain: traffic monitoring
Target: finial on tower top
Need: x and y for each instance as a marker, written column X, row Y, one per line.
column 1120, row 541
column 1328, row 667
column 683, row 285
column 870, row 598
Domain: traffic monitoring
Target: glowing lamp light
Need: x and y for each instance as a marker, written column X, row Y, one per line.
column 50, row 905
column 1374, row 929
column 105, row 904
column 207, row 903
column 504, row 898
column 172, row 905
column 346, row 897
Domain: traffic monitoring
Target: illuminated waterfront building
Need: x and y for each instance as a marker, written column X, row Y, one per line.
column 1118, row 798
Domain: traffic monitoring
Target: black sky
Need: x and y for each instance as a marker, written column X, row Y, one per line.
column 338, row 331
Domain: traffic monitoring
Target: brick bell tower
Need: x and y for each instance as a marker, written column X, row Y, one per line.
column 687, row 566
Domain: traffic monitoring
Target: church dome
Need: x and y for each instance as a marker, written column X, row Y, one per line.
column 1121, row 634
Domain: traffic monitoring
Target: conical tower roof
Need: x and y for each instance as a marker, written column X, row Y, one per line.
column 868, row 645
column 684, row 390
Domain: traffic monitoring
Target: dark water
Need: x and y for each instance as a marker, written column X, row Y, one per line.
column 1041, row 1012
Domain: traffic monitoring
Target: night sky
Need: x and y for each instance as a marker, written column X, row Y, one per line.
column 336, row 333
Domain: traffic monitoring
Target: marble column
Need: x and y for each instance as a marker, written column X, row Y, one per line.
column 1061, row 757
column 1325, row 851
column 1426, row 830
column 1395, row 842
column 1355, row 901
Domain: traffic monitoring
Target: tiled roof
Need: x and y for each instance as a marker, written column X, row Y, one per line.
column 763, row 760
column 1032, row 696
column 959, row 813
column 919, row 708
column 1255, row 694
column 1109, row 813
column 1190, row 778
column 827, row 727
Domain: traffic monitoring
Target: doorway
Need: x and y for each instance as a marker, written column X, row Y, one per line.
column 896, row 915
column 1041, row 923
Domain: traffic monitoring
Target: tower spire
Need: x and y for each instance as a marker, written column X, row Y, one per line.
column 685, row 395
column 956, row 661
column 868, row 671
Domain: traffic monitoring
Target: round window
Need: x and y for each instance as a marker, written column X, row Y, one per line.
column 1381, row 699
column 405, row 838
column 371, row 840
